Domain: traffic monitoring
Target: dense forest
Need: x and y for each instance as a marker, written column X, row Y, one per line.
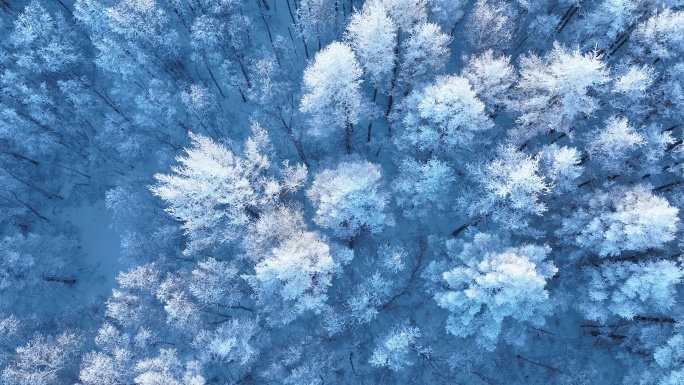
column 341, row 192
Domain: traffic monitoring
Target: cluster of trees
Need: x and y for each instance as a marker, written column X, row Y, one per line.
column 344, row 191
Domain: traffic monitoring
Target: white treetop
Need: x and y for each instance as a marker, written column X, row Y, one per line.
column 512, row 188
column 445, row 116
column 373, row 36
column 490, row 77
column 349, row 198
column 332, row 86
column 626, row 219
column 493, row 284
column 423, row 187
column 554, row 92
column 424, row 52
column 394, row 349
column 406, row 13
column 628, row 289
column 662, row 35
column 613, row 145
column 214, row 192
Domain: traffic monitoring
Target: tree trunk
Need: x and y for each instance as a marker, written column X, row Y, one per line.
column 289, row 8
column 244, row 71
column 390, row 101
column 66, row 281
column 270, row 36
column 370, row 122
column 297, row 143
column 29, row 207
column 215, row 82
column 567, row 16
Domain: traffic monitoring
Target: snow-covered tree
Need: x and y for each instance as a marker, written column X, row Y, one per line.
column 603, row 26
column 494, row 285
column 132, row 38
column 406, row 13
column 221, row 42
column 511, row 189
column 295, row 267
column 168, row 369
column 214, row 192
column 424, row 53
column 142, row 20
column 91, row 15
column 447, row 12
column 490, row 77
column 543, row 28
column 423, row 188
column 553, row 93
column 230, row 342
column 350, row 198
column 43, row 360
column 373, row 36
column 206, row 35
column 615, row 144
column 490, row 26
column 333, row 91
column 133, row 303
column 182, row 313
column 444, row 117
column 561, row 165
column 629, row 289
column 126, row 308
column 102, row 369
column 394, row 348
column 622, row 219
column 157, row 110
column 43, row 43
column 213, row 282
column 662, row 35
column 633, row 90
column 198, row 99
column 366, row 298
column 673, row 92
column 112, row 363
column 316, row 20
column 669, row 358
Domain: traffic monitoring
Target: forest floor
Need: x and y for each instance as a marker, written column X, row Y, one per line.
column 100, row 244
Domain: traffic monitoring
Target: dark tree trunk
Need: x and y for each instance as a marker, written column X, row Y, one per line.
column 370, row 122
column 66, row 281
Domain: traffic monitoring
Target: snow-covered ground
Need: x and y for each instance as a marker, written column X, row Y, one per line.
column 100, row 244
